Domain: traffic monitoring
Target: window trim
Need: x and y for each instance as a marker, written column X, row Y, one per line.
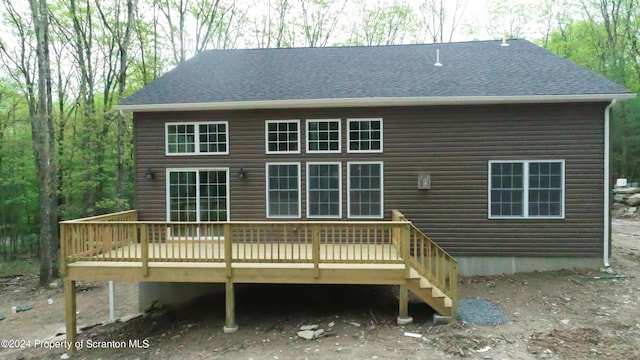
column 525, row 189
column 349, row 163
column 348, row 140
column 266, row 171
column 196, row 125
column 307, row 190
column 329, row 120
column 266, row 136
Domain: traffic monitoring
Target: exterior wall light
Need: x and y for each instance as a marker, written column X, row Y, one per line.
column 242, row 174
column 150, row 174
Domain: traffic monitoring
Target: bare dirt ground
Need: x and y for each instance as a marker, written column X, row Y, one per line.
column 554, row 315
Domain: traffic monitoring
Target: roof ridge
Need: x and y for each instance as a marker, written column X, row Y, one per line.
column 365, row 46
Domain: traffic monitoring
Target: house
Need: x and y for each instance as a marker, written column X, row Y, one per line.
column 479, row 157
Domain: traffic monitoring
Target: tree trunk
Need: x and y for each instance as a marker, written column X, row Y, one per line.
column 42, row 135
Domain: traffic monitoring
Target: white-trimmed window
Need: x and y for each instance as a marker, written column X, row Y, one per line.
column 283, row 190
column 197, row 195
column 365, row 190
column 323, row 136
column 526, row 189
column 282, row 136
column 324, row 190
column 199, row 138
column 364, row 135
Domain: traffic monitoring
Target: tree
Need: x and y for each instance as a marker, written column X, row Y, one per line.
column 382, row 24
column 319, row 20
column 509, row 19
column 120, row 33
column 272, row 28
column 44, row 145
column 214, row 23
column 441, row 19
column 604, row 42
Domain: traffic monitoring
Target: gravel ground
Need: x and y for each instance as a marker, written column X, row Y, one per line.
column 480, row 312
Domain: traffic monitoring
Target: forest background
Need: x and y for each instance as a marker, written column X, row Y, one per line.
column 66, row 153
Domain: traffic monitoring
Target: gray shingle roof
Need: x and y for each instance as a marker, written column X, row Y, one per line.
column 479, row 68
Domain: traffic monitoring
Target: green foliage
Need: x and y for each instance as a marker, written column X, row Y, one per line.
column 605, row 41
column 27, row 267
column 18, row 197
column 383, row 24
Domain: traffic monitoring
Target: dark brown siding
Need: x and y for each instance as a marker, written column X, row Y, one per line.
column 454, row 144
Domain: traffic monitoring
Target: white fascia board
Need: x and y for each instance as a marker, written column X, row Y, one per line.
column 369, row 102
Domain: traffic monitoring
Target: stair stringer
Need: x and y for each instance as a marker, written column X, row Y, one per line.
column 430, row 294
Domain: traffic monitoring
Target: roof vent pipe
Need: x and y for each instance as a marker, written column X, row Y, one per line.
column 504, row 42
column 437, row 58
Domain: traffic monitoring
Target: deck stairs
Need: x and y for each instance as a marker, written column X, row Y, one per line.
column 430, row 294
column 432, row 272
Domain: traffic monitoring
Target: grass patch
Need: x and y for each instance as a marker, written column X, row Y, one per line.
column 30, row 267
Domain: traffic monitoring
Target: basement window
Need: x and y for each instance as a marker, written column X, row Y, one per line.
column 526, row 189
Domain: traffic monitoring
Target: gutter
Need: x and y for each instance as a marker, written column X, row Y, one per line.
column 371, row 102
column 607, row 186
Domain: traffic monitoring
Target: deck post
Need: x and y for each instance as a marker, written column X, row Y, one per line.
column 63, row 249
column 403, row 311
column 406, row 249
column 230, row 321
column 144, row 243
column 453, row 284
column 70, row 314
column 315, row 252
column 228, row 251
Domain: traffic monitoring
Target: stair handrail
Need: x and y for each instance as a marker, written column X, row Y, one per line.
column 445, row 264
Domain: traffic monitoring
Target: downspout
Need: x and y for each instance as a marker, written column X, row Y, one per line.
column 607, row 185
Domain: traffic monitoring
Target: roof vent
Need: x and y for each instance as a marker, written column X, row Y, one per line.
column 437, row 58
column 504, row 42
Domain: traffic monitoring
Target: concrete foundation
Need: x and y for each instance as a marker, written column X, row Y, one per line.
column 469, row 266
column 404, row 320
column 173, row 293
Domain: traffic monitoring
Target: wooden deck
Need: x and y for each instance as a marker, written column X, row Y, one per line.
column 119, row 247
column 253, row 263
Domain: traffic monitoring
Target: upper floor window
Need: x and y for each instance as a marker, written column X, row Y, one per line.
column 526, row 189
column 364, row 135
column 197, row 138
column 282, row 136
column 323, row 136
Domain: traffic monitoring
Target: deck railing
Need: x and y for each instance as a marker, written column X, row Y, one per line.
column 77, row 239
column 120, row 237
column 429, row 259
